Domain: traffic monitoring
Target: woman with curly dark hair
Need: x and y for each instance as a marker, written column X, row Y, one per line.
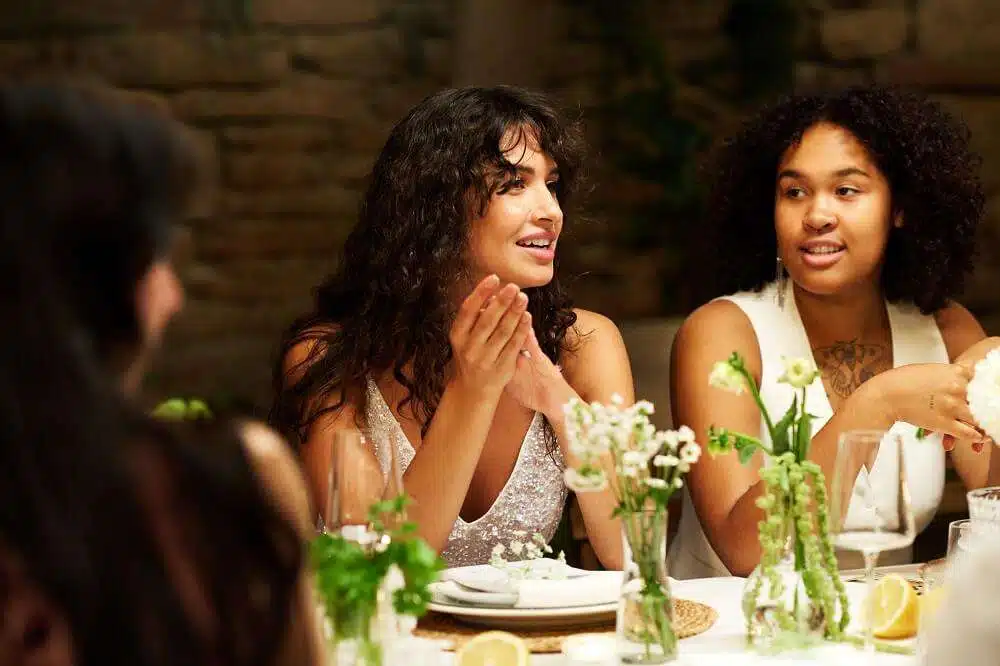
column 123, row 539
column 445, row 332
column 845, row 227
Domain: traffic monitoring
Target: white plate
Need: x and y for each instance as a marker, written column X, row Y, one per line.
column 529, row 618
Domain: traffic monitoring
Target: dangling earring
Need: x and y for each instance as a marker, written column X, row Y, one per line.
column 781, row 279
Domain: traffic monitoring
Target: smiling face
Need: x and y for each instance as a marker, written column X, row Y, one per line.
column 515, row 237
column 833, row 212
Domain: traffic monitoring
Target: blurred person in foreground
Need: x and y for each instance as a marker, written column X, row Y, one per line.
column 123, row 540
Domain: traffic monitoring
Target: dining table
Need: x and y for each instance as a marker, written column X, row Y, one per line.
column 724, row 643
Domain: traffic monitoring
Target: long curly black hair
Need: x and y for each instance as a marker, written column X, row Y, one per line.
column 922, row 150
column 390, row 303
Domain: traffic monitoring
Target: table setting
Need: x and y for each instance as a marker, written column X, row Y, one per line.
column 527, row 604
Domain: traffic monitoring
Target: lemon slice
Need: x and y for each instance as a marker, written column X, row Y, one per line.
column 493, row 648
column 930, row 602
column 893, row 608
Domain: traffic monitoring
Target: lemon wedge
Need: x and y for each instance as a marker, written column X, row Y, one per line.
column 893, row 608
column 493, row 648
column 930, row 602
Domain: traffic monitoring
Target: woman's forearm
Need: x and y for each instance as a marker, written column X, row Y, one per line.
column 736, row 540
column 438, row 478
column 603, row 531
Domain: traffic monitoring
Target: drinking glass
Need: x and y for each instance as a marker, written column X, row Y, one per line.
column 959, row 537
column 871, row 509
column 359, row 477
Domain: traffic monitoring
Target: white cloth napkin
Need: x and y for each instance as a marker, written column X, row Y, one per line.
column 600, row 587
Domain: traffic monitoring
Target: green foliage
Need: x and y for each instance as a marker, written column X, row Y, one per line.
column 349, row 575
column 181, row 409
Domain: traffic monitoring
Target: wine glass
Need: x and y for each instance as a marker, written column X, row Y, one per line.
column 871, row 509
column 359, row 477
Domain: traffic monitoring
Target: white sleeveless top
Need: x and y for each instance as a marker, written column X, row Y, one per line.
column 531, row 502
column 779, row 331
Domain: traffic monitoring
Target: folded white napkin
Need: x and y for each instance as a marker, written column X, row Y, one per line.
column 595, row 588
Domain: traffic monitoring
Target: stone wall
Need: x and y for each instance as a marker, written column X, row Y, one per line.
column 291, row 100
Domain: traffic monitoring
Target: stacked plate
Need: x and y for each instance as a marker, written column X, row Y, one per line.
column 539, row 594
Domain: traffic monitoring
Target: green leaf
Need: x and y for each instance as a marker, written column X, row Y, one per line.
column 779, row 436
column 746, row 451
column 804, row 436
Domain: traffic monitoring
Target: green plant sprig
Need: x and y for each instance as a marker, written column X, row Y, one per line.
column 349, row 575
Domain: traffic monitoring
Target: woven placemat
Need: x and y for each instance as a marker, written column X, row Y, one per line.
column 690, row 619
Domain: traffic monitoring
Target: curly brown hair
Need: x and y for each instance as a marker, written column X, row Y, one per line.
column 390, row 304
column 922, row 150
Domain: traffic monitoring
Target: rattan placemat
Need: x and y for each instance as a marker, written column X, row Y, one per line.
column 690, row 619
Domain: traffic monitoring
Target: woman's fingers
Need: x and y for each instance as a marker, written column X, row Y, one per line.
column 512, row 349
column 490, row 316
column 468, row 312
column 507, row 325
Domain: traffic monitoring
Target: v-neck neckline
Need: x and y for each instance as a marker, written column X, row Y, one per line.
column 376, row 392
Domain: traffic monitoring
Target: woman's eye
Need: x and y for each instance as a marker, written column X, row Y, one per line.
column 846, row 191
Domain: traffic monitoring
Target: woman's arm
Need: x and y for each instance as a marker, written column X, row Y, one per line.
column 723, row 491
column 487, row 336
column 967, row 344
column 594, row 368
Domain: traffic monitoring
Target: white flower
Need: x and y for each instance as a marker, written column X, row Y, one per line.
column 665, row 461
column 690, row 452
column 634, row 459
column 516, row 547
column 678, row 482
column 499, row 549
column 685, row 434
column 584, row 483
column 727, row 378
column 984, row 394
column 656, row 483
column 671, row 439
column 617, row 400
column 799, row 372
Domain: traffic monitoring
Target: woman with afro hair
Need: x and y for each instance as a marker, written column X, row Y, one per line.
column 844, row 228
column 446, row 336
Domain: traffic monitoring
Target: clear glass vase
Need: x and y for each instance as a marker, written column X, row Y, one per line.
column 776, row 604
column 645, row 623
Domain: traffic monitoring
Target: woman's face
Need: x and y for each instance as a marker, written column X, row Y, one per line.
column 833, row 212
column 516, row 236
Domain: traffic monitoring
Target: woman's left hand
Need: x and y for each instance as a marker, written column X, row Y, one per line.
column 538, row 383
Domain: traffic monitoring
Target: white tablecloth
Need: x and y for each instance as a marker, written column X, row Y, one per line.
column 724, row 644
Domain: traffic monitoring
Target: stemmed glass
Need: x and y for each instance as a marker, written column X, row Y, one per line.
column 871, row 510
column 358, row 478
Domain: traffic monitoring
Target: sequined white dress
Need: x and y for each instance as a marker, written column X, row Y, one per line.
column 532, row 500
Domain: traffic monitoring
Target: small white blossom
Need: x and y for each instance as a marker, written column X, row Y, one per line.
column 799, row 372
column 617, row 400
column 499, row 549
column 727, row 378
column 983, row 394
column 634, row 459
column 583, row 483
column 656, row 483
column 690, row 452
column 678, row 482
column 516, row 547
column 685, row 434
column 666, row 461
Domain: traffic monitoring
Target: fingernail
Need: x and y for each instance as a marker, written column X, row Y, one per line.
column 522, row 298
column 493, row 280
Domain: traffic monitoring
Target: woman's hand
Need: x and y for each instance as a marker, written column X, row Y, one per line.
column 538, row 383
column 931, row 396
column 488, row 334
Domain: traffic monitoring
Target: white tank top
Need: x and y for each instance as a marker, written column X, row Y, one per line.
column 779, row 331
